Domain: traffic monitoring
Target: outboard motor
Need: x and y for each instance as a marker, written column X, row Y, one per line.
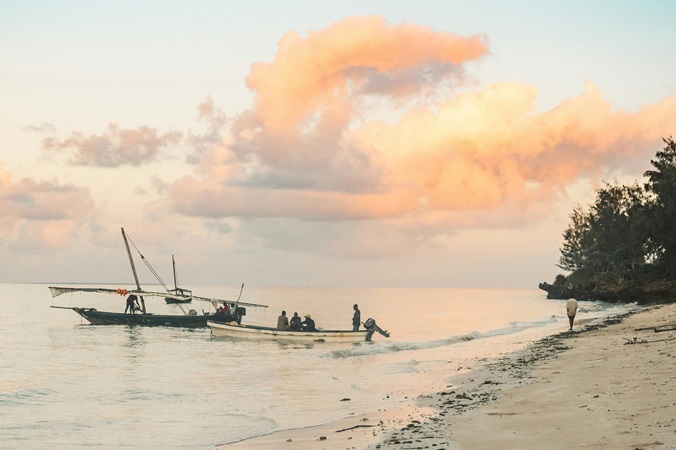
column 239, row 312
column 371, row 328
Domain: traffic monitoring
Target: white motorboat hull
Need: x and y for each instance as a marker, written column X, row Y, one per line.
column 220, row 329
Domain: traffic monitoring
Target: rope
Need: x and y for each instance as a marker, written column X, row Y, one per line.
column 147, row 263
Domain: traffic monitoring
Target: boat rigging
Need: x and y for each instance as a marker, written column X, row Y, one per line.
column 188, row 319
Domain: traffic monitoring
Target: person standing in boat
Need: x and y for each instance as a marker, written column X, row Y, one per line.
column 283, row 322
column 295, row 322
column 132, row 304
column 356, row 319
column 308, row 324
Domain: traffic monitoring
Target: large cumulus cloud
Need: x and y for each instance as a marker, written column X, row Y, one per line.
column 316, row 144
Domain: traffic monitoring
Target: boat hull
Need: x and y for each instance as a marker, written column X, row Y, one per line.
column 221, row 329
column 174, row 300
column 180, row 296
column 96, row 317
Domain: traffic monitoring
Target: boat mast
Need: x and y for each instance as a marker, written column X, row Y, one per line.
column 240, row 296
column 173, row 263
column 133, row 269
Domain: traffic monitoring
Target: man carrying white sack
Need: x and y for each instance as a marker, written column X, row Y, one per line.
column 571, row 309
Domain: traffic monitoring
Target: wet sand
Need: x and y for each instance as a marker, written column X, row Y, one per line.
column 606, row 385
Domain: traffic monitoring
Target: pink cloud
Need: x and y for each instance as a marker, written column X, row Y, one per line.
column 482, row 150
column 116, row 147
column 357, row 55
column 42, row 214
column 197, row 198
column 216, row 126
column 476, row 152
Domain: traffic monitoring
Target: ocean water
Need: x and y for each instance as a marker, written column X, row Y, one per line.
column 67, row 384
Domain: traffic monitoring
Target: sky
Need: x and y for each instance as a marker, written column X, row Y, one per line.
column 427, row 144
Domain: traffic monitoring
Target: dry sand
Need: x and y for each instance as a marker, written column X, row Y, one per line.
column 606, row 385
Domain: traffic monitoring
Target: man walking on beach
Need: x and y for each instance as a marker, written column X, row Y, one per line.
column 571, row 309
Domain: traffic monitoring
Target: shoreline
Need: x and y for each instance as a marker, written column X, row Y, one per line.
column 613, row 386
column 529, row 397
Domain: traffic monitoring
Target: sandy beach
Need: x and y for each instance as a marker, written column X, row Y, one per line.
column 607, row 385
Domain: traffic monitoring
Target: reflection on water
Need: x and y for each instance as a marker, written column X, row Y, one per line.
column 135, row 346
column 134, row 335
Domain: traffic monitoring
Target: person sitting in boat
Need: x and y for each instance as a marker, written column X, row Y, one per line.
column 283, row 322
column 132, row 304
column 294, row 325
column 223, row 313
column 308, row 324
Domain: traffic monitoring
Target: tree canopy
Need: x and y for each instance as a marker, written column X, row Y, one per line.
column 628, row 235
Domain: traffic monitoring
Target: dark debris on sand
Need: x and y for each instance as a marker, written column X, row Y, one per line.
column 481, row 388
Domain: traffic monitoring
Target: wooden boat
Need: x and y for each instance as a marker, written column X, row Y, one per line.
column 188, row 319
column 96, row 317
column 233, row 329
column 178, row 295
column 237, row 330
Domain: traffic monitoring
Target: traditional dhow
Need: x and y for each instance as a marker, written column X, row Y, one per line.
column 178, row 294
column 190, row 319
column 138, row 315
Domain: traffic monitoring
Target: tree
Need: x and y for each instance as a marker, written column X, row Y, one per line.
column 607, row 242
column 618, row 228
column 625, row 242
column 575, row 241
column 662, row 184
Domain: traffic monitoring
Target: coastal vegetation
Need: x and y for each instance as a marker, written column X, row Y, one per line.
column 622, row 247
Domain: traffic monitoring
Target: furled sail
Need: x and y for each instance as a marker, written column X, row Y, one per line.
column 59, row 290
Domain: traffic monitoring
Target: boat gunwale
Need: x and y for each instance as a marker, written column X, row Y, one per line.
column 269, row 331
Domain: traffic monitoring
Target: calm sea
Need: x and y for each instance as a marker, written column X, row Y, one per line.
column 67, row 384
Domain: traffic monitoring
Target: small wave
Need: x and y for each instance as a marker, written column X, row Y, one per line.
column 252, row 427
column 366, row 350
column 29, row 396
column 605, row 309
